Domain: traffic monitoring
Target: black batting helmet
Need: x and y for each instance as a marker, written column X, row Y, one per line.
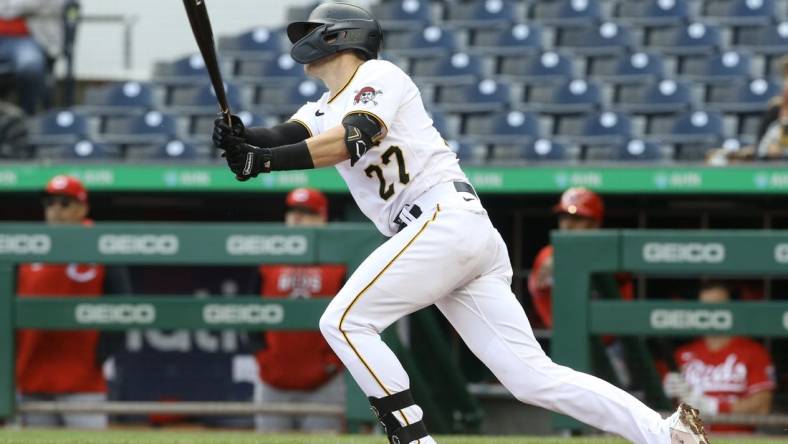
column 347, row 26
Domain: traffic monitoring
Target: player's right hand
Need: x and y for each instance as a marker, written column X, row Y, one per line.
column 226, row 136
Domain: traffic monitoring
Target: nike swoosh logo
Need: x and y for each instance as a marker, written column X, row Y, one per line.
column 318, row 113
column 467, row 199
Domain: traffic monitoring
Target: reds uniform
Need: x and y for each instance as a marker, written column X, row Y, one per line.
column 742, row 368
column 443, row 249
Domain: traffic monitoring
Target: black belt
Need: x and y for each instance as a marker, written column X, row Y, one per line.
column 415, row 211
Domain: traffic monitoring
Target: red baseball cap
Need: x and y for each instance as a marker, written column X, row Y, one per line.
column 582, row 202
column 67, row 186
column 308, row 198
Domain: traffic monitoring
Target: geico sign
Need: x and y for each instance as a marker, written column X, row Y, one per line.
column 243, row 314
column 147, row 244
column 277, row 245
column 115, row 313
column 691, row 252
column 691, row 319
column 781, row 253
column 25, row 244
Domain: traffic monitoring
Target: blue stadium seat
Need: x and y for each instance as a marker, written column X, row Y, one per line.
column 639, row 67
column 574, row 96
column 606, row 39
column 58, row 127
column 196, row 100
column 281, row 69
column 517, row 40
column 453, row 69
column 602, row 128
column 189, row 69
column 503, row 128
column 545, row 150
column 432, row 41
column 769, row 40
column 469, row 153
column 119, row 98
column 637, row 150
column 652, row 13
column 286, row 101
column 441, row 124
column 175, row 150
column 693, row 38
column 566, row 12
column 257, row 43
column 739, row 12
column 403, row 15
column 548, row 67
column 695, row 127
column 665, row 96
column 725, row 67
column 482, row 14
column 87, row 150
column 485, row 96
column 744, row 97
column 152, row 127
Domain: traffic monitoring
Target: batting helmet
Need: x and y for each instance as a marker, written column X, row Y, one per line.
column 582, row 202
column 308, row 198
column 347, row 26
column 67, row 186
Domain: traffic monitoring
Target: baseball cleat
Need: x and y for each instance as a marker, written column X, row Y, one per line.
column 686, row 427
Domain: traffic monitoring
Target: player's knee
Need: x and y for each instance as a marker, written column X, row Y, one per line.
column 329, row 325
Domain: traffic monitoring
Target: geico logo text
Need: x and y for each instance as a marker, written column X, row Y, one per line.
column 115, row 313
column 243, row 314
column 690, row 252
column 147, row 244
column 25, row 244
column 278, row 245
column 664, row 319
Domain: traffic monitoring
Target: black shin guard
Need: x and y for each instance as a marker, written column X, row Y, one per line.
column 384, row 409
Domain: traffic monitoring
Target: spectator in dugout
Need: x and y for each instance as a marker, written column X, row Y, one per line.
column 65, row 366
column 773, row 129
column 723, row 374
column 31, row 36
column 300, row 366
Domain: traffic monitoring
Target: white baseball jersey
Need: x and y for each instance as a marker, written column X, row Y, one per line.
column 410, row 159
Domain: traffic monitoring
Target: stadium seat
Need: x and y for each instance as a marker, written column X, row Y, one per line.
column 517, row 40
column 605, row 39
column 665, row 96
column 58, row 127
column 637, row 150
column 504, row 128
column 725, row 67
column 483, row 14
column 574, row 96
column 403, row 15
column 119, row 98
column 639, row 67
column 566, row 12
column 189, row 69
column 432, row 41
column 453, row 69
column 152, row 127
column 769, row 40
column 469, row 153
column 744, row 97
column 548, row 67
column 441, row 124
column 652, row 13
column 257, row 43
column 87, row 150
column 280, row 70
column 696, row 127
column 176, row 150
column 485, row 96
column 194, row 100
column 739, row 12
column 690, row 39
column 286, row 101
column 602, row 128
column 545, row 150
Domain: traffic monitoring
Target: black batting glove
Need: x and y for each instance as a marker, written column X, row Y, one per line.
column 227, row 136
column 247, row 161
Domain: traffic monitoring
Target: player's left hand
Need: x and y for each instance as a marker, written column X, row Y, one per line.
column 247, row 161
column 226, row 136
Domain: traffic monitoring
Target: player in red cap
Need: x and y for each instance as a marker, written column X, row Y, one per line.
column 300, row 366
column 64, row 365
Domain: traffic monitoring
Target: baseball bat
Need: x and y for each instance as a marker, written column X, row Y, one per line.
column 203, row 34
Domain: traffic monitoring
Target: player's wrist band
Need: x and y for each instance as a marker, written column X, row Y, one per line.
column 295, row 156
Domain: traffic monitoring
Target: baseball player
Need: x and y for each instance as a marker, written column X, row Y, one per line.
column 443, row 250
column 723, row 374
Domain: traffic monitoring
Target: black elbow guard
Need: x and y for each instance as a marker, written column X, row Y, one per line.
column 362, row 132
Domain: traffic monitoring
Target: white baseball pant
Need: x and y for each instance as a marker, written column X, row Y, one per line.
column 453, row 257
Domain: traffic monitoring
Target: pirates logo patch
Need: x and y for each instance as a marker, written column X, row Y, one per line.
column 366, row 95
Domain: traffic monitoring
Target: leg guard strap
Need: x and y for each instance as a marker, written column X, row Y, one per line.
column 384, row 409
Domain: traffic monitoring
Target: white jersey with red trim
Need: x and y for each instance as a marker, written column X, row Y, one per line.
column 411, row 158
